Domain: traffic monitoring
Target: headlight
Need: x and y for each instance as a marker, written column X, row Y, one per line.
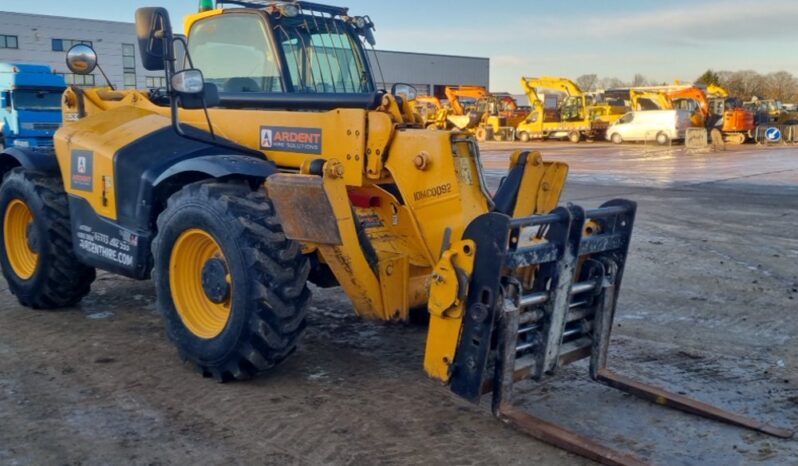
column 21, row 143
column 359, row 22
column 28, row 126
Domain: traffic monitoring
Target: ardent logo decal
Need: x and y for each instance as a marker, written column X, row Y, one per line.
column 82, row 170
column 288, row 139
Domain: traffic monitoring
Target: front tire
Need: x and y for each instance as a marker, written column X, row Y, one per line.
column 37, row 257
column 524, row 137
column 482, row 134
column 575, row 137
column 231, row 287
column 616, row 139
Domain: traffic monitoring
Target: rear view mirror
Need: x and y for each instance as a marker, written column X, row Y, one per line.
column 81, row 59
column 154, row 31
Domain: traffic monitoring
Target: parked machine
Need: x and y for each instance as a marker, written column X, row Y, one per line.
column 728, row 116
column 642, row 100
column 693, row 100
column 30, row 105
column 575, row 118
column 242, row 181
column 712, row 109
column 432, row 111
column 487, row 116
column 771, row 112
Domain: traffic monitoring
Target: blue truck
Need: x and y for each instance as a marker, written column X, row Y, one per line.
column 30, row 105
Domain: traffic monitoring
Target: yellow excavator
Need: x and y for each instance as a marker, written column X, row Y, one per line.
column 254, row 172
column 432, row 111
column 577, row 117
column 488, row 116
column 643, row 100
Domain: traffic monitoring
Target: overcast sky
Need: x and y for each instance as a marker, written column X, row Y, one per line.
column 664, row 40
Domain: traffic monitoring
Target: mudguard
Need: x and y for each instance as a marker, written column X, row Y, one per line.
column 149, row 170
column 164, row 156
column 42, row 160
column 220, row 166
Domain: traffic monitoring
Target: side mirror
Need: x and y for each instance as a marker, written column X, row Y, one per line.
column 154, row 32
column 406, row 91
column 81, row 59
column 188, row 82
column 192, row 92
column 5, row 99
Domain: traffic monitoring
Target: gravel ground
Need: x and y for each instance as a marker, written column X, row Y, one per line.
column 708, row 308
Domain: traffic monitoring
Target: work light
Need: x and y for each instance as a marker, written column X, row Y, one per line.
column 206, row 5
column 289, row 10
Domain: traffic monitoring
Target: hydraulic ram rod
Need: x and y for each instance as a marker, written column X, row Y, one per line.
column 543, row 297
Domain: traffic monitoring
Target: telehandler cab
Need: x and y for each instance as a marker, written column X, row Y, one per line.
column 279, row 162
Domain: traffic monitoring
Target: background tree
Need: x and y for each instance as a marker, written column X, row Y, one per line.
column 639, row 80
column 781, row 85
column 587, row 82
column 610, row 83
column 709, row 77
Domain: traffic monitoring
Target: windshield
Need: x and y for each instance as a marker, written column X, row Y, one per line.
column 36, row 100
column 322, row 55
column 234, row 52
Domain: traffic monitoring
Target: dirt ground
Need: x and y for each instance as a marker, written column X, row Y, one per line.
column 708, row 308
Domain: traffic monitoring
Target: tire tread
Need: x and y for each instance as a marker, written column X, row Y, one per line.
column 66, row 280
column 279, row 295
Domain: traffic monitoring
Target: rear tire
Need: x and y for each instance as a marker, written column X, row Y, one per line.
column 616, row 138
column 663, row 139
column 38, row 258
column 575, row 137
column 261, row 277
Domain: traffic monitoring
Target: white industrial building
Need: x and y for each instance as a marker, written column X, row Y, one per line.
column 28, row 38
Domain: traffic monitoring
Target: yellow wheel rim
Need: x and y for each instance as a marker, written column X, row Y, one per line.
column 17, row 222
column 202, row 316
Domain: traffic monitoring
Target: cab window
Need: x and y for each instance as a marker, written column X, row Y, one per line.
column 235, row 53
column 628, row 118
column 322, row 56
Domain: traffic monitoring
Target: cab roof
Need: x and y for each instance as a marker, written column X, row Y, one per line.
column 24, row 68
column 315, row 7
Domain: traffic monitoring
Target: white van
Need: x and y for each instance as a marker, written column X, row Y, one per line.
column 661, row 126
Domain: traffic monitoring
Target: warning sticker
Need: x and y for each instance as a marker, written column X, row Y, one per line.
column 286, row 139
column 82, row 170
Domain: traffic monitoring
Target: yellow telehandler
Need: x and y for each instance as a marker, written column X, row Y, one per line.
column 271, row 159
